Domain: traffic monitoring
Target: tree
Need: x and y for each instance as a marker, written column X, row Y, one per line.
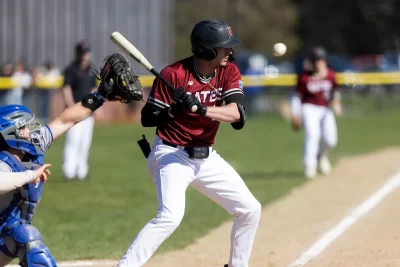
column 259, row 24
column 353, row 27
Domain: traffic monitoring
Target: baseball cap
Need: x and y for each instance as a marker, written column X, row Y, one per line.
column 82, row 47
column 318, row 53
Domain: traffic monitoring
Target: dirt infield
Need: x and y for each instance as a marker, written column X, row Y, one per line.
column 291, row 225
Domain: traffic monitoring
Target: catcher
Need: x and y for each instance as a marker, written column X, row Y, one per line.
column 22, row 147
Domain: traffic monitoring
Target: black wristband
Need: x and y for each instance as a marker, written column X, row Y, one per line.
column 203, row 110
column 92, row 101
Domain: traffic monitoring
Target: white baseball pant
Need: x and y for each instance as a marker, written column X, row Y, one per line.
column 76, row 150
column 173, row 171
column 319, row 123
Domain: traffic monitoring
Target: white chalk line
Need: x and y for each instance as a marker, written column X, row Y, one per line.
column 343, row 225
column 78, row 263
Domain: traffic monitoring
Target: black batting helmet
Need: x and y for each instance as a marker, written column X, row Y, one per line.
column 318, row 53
column 207, row 35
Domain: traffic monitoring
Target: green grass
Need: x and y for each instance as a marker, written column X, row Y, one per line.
column 99, row 217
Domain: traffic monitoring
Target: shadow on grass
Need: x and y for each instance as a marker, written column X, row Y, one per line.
column 273, row 175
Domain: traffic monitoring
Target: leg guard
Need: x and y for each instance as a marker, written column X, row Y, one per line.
column 37, row 253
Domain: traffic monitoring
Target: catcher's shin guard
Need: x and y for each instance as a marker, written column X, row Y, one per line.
column 37, row 253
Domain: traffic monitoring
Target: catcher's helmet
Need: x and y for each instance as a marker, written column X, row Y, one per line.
column 12, row 118
column 318, row 53
column 210, row 34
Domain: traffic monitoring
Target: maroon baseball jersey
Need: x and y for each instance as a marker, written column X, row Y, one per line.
column 317, row 92
column 188, row 129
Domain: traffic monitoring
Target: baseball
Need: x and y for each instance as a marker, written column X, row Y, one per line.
column 279, row 49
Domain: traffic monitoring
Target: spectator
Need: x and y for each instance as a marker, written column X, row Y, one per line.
column 50, row 75
column 31, row 96
column 78, row 82
column 50, row 72
column 6, row 71
column 22, row 81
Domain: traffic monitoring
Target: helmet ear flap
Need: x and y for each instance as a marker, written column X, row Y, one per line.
column 198, row 52
column 203, row 52
column 232, row 56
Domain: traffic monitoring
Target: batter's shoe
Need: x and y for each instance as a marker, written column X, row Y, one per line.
column 310, row 173
column 324, row 165
column 226, row 265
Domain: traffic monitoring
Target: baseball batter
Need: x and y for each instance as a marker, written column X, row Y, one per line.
column 316, row 98
column 182, row 153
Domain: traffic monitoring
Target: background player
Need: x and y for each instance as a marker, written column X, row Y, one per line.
column 22, row 149
column 182, row 152
column 78, row 82
column 316, row 95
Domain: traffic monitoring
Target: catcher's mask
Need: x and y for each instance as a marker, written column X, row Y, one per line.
column 207, row 35
column 15, row 118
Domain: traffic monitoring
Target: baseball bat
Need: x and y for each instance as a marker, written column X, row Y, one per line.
column 119, row 40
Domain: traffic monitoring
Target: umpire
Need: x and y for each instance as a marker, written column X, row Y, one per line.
column 78, row 82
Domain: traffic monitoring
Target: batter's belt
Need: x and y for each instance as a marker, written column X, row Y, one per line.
column 201, row 152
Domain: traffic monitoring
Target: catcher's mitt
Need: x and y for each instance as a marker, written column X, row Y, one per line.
column 118, row 80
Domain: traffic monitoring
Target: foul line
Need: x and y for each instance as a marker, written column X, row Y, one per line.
column 341, row 227
column 78, row 263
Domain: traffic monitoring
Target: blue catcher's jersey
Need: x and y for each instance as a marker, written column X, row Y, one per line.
column 24, row 205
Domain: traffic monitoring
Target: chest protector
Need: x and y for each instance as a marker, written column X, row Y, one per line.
column 25, row 201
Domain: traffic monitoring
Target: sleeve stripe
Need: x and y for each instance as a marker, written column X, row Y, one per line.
column 232, row 90
column 156, row 104
column 153, row 100
column 232, row 93
column 51, row 133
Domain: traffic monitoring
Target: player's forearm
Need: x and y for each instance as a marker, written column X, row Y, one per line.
column 227, row 114
column 295, row 105
column 68, row 118
column 336, row 106
column 67, row 94
column 10, row 181
column 76, row 113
